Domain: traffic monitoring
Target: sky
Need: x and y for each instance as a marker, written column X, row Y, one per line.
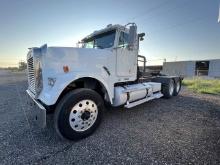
column 175, row 30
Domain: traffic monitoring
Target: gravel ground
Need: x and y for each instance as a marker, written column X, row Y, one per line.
column 181, row 130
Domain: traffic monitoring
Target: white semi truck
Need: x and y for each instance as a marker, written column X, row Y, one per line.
column 78, row 82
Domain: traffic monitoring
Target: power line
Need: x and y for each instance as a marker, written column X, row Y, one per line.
column 183, row 23
column 164, row 3
column 159, row 59
column 158, row 7
column 170, row 9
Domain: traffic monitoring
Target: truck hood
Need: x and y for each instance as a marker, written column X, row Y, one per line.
column 77, row 59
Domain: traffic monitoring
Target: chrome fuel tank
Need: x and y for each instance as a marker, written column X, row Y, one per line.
column 134, row 92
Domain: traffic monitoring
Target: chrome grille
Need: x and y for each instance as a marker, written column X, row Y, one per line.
column 31, row 78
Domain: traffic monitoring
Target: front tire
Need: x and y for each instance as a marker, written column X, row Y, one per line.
column 78, row 114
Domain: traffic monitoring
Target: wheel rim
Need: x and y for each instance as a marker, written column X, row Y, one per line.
column 178, row 86
column 83, row 115
column 171, row 89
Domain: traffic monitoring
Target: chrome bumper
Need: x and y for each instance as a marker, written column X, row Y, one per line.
column 38, row 110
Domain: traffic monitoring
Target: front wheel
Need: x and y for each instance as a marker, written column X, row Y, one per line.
column 78, row 114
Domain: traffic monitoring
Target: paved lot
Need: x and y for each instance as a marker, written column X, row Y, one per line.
column 184, row 129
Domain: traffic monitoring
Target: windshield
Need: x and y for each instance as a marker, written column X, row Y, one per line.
column 101, row 41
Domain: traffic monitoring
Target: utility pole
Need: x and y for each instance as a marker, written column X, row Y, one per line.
column 219, row 14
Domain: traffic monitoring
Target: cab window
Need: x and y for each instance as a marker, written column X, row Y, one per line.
column 123, row 39
column 101, row 41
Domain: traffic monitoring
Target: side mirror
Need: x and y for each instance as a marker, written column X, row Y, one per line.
column 141, row 36
column 132, row 36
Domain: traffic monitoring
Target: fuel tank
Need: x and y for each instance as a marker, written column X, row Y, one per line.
column 134, row 92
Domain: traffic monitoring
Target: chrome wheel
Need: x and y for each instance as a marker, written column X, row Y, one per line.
column 83, row 115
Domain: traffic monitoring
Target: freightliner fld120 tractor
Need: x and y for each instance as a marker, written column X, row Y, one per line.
column 78, row 82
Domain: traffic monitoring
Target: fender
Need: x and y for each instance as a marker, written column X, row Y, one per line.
column 166, row 79
column 50, row 94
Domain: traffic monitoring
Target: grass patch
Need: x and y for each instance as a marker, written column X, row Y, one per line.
column 203, row 86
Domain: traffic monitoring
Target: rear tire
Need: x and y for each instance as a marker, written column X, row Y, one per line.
column 177, row 88
column 168, row 89
column 78, row 114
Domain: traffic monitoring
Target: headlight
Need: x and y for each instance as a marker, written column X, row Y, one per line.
column 38, row 76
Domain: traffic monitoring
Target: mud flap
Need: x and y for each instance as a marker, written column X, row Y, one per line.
column 39, row 112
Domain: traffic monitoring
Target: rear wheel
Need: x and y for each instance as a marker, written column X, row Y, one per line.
column 177, row 88
column 168, row 89
column 78, row 114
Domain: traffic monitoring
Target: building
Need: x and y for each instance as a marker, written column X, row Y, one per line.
column 209, row 68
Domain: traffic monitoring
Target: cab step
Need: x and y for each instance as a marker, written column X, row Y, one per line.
column 148, row 98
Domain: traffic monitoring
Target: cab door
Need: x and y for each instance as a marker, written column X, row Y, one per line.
column 126, row 60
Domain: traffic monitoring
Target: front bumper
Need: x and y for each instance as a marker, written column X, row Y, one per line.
column 38, row 110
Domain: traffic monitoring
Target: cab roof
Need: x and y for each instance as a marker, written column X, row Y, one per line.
column 106, row 29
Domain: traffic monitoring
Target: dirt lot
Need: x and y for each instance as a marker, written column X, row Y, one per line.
column 184, row 129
